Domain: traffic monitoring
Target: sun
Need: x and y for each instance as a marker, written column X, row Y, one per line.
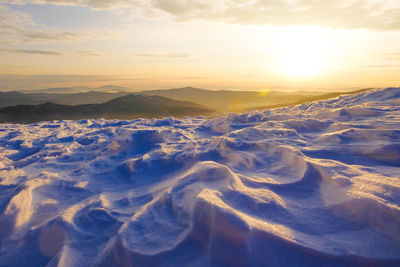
column 302, row 52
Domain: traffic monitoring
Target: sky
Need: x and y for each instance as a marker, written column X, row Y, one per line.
column 307, row 45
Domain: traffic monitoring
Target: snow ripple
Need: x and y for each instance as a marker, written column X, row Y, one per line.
column 315, row 184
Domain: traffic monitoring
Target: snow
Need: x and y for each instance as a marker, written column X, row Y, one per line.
column 315, row 184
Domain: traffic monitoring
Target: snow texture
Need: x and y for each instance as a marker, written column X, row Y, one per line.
column 316, row 184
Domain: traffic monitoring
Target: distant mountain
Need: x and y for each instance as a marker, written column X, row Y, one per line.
column 125, row 107
column 224, row 100
column 112, row 88
column 80, row 89
column 310, row 99
column 91, row 97
column 60, row 90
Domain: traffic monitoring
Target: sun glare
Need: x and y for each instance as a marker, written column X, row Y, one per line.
column 263, row 91
column 303, row 52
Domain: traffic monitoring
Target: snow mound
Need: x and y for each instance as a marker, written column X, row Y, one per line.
column 315, row 184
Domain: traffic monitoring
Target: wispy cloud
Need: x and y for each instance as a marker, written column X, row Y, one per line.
column 378, row 15
column 95, row 4
column 49, row 52
column 49, row 77
column 31, row 52
column 90, row 53
column 383, row 66
column 16, row 26
column 28, row 82
column 171, row 56
column 49, row 36
column 388, row 56
column 369, row 14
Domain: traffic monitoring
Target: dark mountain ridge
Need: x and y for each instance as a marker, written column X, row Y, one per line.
column 126, row 107
column 91, row 97
column 225, row 100
column 222, row 100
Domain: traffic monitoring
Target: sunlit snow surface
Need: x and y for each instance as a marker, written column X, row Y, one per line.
column 316, row 184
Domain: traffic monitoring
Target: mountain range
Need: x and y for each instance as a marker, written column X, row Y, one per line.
column 229, row 101
column 222, row 100
column 23, row 107
column 79, row 89
column 130, row 106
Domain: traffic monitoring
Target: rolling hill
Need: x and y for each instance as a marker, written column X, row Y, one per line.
column 226, row 100
column 221, row 101
column 126, row 107
column 310, row 99
column 80, row 89
column 91, row 97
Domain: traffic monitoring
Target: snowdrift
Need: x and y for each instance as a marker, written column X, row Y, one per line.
column 316, row 184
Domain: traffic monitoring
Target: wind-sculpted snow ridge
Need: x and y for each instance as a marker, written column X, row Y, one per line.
column 312, row 185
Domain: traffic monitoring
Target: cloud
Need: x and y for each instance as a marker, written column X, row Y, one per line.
column 49, row 52
column 18, row 26
column 38, row 36
column 90, row 53
column 94, row 4
column 171, row 56
column 377, row 15
column 28, row 82
column 368, row 14
column 54, row 78
column 380, row 66
column 31, row 52
column 387, row 56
